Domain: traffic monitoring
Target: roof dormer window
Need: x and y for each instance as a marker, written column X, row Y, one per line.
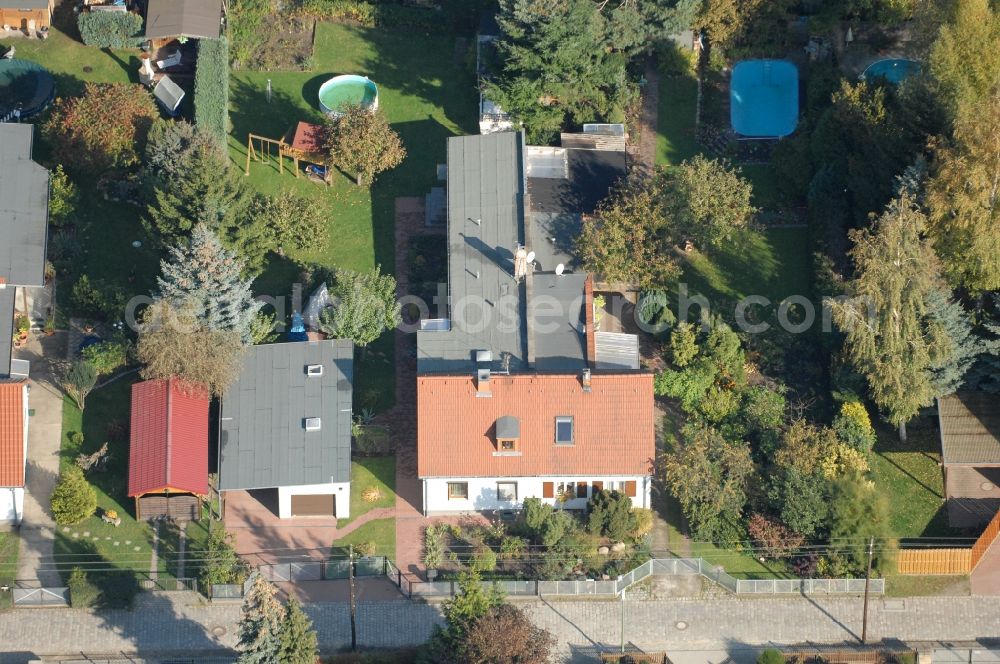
column 564, row 430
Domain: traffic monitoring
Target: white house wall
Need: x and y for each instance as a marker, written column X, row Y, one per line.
column 342, row 490
column 483, row 492
column 11, row 505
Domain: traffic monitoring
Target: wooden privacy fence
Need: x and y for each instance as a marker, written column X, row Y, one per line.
column 985, row 540
column 935, row 561
column 949, row 561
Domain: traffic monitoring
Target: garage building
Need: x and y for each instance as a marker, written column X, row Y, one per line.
column 286, row 425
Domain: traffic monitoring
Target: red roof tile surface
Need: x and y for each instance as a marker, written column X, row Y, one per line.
column 12, row 433
column 309, row 137
column 169, row 444
column 613, row 425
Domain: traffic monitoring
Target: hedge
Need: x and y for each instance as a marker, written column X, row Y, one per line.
column 211, row 87
column 111, row 29
column 449, row 16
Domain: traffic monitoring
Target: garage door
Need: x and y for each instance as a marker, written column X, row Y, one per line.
column 319, row 505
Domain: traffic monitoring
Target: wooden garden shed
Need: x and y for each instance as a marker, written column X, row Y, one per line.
column 168, row 452
column 25, row 14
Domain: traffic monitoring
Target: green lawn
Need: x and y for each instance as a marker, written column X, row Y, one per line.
column 380, row 531
column 95, row 544
column 9, row 545
column 676, row 139
column 773, row 263
column 426, row 93
column 378, row 472
column 909, row 476
column 739, row 564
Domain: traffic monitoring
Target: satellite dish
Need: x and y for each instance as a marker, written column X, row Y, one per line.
column 531, row 257
column 559, row 269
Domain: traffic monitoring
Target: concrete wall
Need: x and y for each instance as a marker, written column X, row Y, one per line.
column 483, row 492
column 342, row 490
column 11, row 505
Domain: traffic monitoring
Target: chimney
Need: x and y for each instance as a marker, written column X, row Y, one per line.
column 483, row 383
column 585, row 381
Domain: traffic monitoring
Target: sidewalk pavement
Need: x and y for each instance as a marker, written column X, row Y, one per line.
column 44, row 436
column 179, row 622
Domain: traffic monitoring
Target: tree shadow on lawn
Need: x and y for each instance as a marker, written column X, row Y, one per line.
column 424, row 67
column 426, row 146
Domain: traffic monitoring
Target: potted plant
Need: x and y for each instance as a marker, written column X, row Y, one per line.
column 22, row 325
column 50, row 325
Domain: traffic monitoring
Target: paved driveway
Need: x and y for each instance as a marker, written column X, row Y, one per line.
column 44, row 437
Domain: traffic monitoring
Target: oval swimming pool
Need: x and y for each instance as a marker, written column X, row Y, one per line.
column 893, row 70
column 345, row 90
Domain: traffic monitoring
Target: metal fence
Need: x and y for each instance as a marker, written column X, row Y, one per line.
column 169, row 584
column 654, row 567
column 35, row 597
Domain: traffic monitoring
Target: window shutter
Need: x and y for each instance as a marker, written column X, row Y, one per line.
column 581, row 490
column 630, row 489
column 598, row 486
column 548, row 490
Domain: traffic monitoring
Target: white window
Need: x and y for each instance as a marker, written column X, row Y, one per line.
column 564, row 430
column 458, row 490
column 507, row 491
column 567, row 490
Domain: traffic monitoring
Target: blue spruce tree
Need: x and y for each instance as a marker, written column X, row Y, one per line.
column 209, row 277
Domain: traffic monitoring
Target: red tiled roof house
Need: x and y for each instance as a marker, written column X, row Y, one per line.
column 13, row 448
column 541, row 435
column 519, row 394
column 168, row 454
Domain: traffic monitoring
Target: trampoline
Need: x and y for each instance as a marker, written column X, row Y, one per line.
column 893, row 70
column 764, row 98
column 25, row 88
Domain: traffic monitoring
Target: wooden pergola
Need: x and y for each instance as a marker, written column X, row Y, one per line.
column 302, row 142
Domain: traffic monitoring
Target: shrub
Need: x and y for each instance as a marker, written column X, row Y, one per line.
column 770, row 656
column 211, row 88
column 512, row 547
column 371, row 494
column 80, row 379
column 73, row 499
column 106, row 356
column 82, row 593
column 774, row 539
column 104, row 128
column 454, row 15
column 110, row 29
column 63, row 197
column 484, row 559
column 223, row 565
column 854, row 427
column 643, row 522
column 610, row 515
column 433, row 546
column 366, row 549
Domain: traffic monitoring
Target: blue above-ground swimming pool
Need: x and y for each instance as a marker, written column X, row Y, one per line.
column 892, row 70
column 764, row 98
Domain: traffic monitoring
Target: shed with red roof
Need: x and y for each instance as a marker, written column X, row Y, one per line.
column 168, row 454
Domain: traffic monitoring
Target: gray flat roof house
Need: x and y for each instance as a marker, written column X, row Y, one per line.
column 24, row 214
column 521, row 315
column 286, row 424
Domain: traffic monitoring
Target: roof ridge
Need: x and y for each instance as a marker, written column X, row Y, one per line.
column 169, row 430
